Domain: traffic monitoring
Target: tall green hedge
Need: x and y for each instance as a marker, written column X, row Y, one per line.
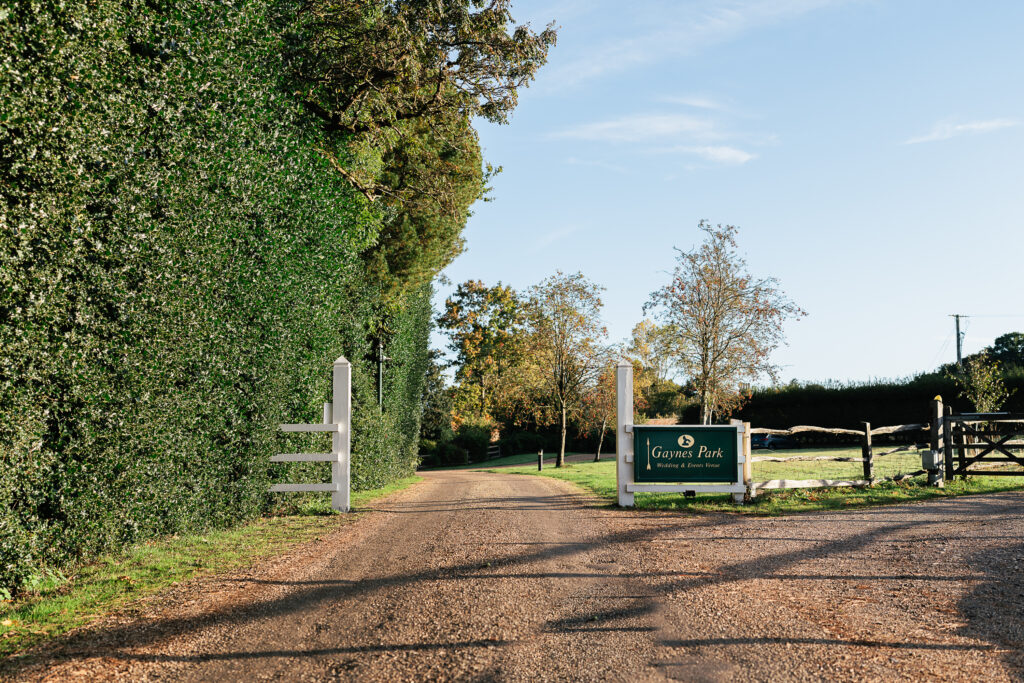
column 178, row 269
column 880, row 403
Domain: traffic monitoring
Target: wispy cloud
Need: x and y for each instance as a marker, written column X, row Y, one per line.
column 550, row 238
column 671, row 29
column 573, row 161
column 721, row 154
column 677, row 134
column 946, row 130
column 640, row 128
column 695, row 102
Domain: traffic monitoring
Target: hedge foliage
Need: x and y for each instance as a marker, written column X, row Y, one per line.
column 179, row 267
column 880, row 403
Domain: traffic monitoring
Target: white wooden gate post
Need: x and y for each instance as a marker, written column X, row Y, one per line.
column 341, row 440
column 624, row 438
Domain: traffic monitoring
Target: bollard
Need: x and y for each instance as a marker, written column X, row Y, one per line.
column 540, row 460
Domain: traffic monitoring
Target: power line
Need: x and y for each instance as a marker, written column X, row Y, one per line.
column 994, row 315
column 942, row 350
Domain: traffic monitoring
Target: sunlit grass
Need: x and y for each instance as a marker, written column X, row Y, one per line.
column 600, row 479
column 58, row 603
column 518, row 459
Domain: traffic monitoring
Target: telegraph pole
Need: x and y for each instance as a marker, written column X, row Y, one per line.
column 381, row 358
column 959, row 339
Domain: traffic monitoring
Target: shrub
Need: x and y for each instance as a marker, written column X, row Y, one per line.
column 523, row 442
column 475, row 439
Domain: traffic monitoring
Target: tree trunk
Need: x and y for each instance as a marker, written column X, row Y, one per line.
column 600, row 440
column 561, row 451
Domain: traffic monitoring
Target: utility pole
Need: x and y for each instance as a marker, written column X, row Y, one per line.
column 959, row 339
column 380, row 372
column 380, row 368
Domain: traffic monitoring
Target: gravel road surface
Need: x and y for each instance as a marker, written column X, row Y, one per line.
column 476, row 576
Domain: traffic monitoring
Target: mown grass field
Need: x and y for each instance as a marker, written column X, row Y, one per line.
column 599, row 478
column 60, row 602
column 518, row 459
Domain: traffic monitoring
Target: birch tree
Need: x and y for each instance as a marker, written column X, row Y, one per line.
column 728, row 322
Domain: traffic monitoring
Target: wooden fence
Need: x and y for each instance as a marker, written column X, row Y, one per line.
column 868, row 457
column 955, row 444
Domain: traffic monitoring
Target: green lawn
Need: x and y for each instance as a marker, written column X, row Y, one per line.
column 519, row 459
column 59, row 603
column 600, row 478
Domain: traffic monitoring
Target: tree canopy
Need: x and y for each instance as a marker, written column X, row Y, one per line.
column 567, row 347
column 728, row 322
column 486, row 327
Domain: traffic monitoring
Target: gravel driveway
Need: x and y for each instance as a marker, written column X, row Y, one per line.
column 477, row 576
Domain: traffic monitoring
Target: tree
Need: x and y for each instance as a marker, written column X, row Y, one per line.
column 365, row 68
column 600, row 402
column 567, row 348
column 728, row 322
column 436, row 423
column 394, row 86
column 432, row 181
column 599, row 406
column 1008, row 350
column 486, row 326
column 980, row 382
column 651, row 346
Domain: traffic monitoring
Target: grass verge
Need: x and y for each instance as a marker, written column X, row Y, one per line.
column 518, row 459
column 58, row 603
column 599, row 477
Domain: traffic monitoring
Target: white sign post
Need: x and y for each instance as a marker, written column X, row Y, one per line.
column 337, row 421
column 624, row 432
column 626, row 483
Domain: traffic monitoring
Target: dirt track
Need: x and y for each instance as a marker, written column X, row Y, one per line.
column 503, row 577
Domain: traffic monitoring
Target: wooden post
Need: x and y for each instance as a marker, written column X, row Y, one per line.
column 947, row 442
column 748, row 466
column 961, row 452
column 935, row 477
column 341, row 446
column 624, row 439
column 867, row 454
column 540, row 460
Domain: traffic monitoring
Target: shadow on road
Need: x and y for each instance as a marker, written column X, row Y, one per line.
column 995, row 609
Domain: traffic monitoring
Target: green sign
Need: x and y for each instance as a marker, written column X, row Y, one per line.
column 684, row 454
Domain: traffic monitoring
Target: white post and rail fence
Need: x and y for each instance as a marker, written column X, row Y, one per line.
column 338, row 423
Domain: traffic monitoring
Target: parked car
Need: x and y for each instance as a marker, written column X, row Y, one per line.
column 771, row 441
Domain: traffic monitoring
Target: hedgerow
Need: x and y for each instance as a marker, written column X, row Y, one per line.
column 881, row 403
column 179, row 266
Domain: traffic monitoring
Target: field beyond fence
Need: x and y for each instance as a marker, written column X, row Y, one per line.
column 599, row 478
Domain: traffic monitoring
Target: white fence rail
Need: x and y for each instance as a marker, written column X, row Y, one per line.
column 337, row 422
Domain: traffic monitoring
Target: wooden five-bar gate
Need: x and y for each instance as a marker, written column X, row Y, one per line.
column 980, row 439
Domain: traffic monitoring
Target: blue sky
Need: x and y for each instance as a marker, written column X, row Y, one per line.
column 870, row 152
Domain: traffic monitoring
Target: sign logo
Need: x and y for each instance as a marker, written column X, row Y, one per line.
column 685, row 441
